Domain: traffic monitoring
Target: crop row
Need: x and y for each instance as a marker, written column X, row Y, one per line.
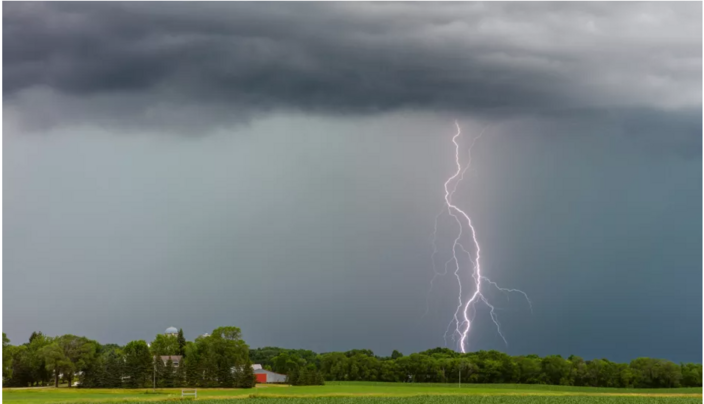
column 531, row 399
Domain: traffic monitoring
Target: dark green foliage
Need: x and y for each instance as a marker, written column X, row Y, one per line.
column 169, row 374
column 656, row 373
column 267, row 356
column 180, row 375
column 292, row 377
column 158, row 372
column 20, row 367
column 114, row 368
column 226, row 354
column 691, row 375
column 106, row 370
column 305, row 376
column 224, row 360
column 441, row 365
column 286, row 362
column 166, row 345
column 246, row 378
column 65, row 355
column 191, row 366
column 363, row 352
column 139, row 365
column 181, row 343
column 318, row 378
column 35, row 335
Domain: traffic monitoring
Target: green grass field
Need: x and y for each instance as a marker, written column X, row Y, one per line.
column 468, row 399
column 368, row 393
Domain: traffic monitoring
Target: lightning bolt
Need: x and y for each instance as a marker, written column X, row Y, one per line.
column 461, row 318
column 435, row 233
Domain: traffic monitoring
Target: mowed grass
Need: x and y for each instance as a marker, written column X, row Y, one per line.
column 367, row 393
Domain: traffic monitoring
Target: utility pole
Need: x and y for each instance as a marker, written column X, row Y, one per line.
column 460, row 378
column 154, row 389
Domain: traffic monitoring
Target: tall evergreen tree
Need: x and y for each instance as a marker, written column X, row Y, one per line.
column 139, row 365
column 114, row 368
column 180, row 375
column 303, row 376
column 292, row 377
column 158, row 372
column 168, row 375
column 247, row 379
column 192, row 372
column 94, row 375
column 181, row 343
column 226, row 373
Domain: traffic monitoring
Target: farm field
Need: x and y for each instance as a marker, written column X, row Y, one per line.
column 369, row 393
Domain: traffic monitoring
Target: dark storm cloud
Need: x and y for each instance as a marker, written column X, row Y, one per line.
column 194, row 64
column 310, row 226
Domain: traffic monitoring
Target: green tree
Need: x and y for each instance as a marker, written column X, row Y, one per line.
column 388, row 372
column 556, row 370
column 114, row 366
column 626, row 376
column 691, row 375
column 158, row 372
column 6, row 359
column 215, row 360
column 138, row 364
column 181, row 343
column 247, row 379
column 333, row 365
column 20, row 370
column 303, row 378
column 286, row 361
column 79, row 352
column 169, row 374
column 56, row 360
column 164, row 345
column 180, row 374
column 35, row 334
column 578, row 371
column 292, row 377
column 95, row 373
column 191, row 366
column 318, row 379
column 228, row 333
column 40, row 374
column 529, row 369
column 670, row 374
column 655, row 373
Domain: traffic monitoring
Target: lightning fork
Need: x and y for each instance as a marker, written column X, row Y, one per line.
column 461, row 319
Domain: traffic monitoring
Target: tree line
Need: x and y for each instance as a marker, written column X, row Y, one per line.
column 220, row 359
column 223, row 359
column 442, row 365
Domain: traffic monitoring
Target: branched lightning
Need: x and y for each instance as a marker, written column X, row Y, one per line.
column 435, row 234
column 461, row 318
column 506, row 290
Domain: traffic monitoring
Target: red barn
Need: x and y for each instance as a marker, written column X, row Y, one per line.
column 267, row 376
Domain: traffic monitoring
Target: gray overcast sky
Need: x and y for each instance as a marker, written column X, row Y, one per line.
column 278, row 167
